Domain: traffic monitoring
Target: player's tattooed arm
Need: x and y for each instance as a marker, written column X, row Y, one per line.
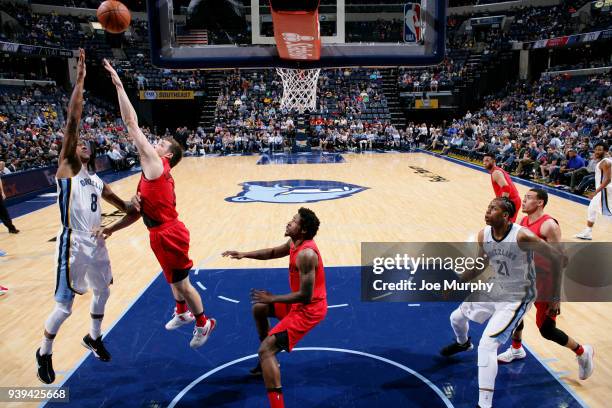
column 262, row 254
column 68, row 163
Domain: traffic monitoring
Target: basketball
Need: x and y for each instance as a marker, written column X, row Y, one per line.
column 114, row 16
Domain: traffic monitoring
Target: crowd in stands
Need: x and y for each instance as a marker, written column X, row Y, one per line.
column 32, row 121
column 352, row 108
column 53, row 30
column 530, row 23
column 440, row 77
column 543, row 131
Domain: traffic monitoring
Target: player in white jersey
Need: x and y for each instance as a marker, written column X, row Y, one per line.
column 507, row 248
column 601, row 203
column 82, row 259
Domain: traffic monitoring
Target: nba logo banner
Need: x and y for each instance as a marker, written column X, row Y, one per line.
column 413, row 31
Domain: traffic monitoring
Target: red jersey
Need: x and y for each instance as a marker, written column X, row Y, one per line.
column 536, row 228
column 319, row 291
column 543, row 266
column 158, row 201
column 514, row 194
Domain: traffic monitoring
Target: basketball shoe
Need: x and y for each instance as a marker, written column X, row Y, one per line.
column 3, row 290
column 201, row 334
column 45, row 371
column 585, row 362
column 455, row 348
column 179, row 319
column 586, row 234
column 512, row 354
column 97, row 347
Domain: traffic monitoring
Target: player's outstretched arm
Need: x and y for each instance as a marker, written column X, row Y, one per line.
column 68, row 163
column 150, row 161
column 127, row 220
column 261, row 254
column 110, row 197
column 307, row 262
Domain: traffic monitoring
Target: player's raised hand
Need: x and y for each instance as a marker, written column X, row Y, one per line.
column 114, row 76
column 261, row 296
column 233, row 254
column 81, row 68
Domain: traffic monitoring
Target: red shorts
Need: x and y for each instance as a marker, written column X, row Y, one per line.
column 170, row 244
column 541, row 315
column 297, row 320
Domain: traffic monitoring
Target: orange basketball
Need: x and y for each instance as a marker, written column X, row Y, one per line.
column 114, row 16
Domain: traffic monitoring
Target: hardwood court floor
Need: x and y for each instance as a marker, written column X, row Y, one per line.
column 400, row 204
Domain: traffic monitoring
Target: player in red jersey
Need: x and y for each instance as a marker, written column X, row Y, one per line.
column 299, row 311
column 502, row 183
column 547, row 308
column 169, row 237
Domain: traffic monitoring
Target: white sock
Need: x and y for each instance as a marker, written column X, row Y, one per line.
column 46, row 347
column 589, row 229
column 487, row 370
column 96, row 328
column 485, row 399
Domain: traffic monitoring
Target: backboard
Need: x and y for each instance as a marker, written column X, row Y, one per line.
column 217, row 34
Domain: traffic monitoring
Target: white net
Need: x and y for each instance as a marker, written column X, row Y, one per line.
column 299, row 88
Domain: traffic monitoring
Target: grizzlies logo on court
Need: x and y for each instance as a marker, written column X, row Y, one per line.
column 293, row 191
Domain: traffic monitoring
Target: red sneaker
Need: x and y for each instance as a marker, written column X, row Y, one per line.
column 3, row 290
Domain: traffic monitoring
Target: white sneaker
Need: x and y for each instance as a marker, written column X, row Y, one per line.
column 201, row 334
column 179, row 320
column 586, row 234
column 585, row 362
column 512, row 354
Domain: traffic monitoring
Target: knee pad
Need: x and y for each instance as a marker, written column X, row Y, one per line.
column 487, row 351
column 550, row 332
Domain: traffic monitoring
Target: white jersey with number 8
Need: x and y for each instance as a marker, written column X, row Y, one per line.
column 82, row 259
column 79, row 201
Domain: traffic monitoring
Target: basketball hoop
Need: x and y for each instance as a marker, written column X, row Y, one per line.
column 299, row 89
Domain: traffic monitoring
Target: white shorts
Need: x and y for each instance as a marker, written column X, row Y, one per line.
column 82, row 264
column 503, row 316
column 600, row 204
